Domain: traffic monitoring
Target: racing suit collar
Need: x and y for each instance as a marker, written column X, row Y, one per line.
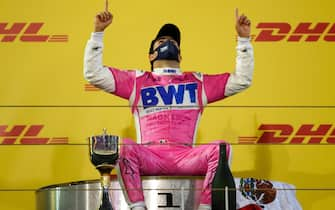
column 167, row 71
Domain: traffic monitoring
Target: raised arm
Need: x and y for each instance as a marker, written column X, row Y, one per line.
column 94, row 71
column 242, row 77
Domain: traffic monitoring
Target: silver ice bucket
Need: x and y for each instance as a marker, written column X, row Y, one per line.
column 160, row 192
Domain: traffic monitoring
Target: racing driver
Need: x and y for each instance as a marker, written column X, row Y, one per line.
column 167, row 104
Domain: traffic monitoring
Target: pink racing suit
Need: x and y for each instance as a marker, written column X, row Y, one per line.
column 167, row 105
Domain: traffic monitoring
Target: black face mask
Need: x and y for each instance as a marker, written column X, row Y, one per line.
column 167, row 51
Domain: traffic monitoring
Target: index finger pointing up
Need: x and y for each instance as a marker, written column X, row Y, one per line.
column 106, row 5
column 236, row 14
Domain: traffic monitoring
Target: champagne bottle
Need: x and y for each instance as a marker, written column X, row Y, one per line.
column 223, row 185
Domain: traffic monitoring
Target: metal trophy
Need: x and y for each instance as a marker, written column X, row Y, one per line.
column 104, row 153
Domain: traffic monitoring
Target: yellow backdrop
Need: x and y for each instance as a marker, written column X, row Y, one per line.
column 44, row 97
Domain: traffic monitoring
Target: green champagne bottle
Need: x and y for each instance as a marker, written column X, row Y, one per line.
column 223, row 181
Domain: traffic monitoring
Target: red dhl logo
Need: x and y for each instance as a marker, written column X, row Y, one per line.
column 278, row 31
column 27, row 134
column 28, row 32
column 287, row 134
column 307, row 32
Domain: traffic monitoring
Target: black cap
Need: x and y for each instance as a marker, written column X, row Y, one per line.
column 168, row 29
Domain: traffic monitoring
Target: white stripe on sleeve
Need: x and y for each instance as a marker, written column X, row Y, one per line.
column 94, row 72
column 242, row 77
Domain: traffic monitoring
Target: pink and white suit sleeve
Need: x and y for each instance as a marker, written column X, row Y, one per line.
column 109, row 79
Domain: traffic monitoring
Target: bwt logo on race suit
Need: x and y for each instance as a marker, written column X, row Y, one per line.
column 177, row 94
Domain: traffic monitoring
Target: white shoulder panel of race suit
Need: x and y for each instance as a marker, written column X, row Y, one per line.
column 133, row 93
column 200, row 77
column 131, row 104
